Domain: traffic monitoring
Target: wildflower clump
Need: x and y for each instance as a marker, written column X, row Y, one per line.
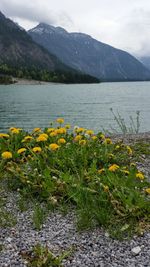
column 78, row 168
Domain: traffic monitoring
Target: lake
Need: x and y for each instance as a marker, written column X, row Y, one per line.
column 86, row 105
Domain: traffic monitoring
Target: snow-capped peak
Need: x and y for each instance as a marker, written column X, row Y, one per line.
column 48, row 29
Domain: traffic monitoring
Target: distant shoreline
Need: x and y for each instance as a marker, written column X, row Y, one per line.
column 23, row 81
column 20, row 81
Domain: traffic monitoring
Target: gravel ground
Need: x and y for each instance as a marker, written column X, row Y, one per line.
column 92, row 248
column 130, row 139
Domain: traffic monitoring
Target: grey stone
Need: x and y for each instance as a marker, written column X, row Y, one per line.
column 136, row 250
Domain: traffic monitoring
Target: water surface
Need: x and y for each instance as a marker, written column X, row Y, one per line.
column 85, row 105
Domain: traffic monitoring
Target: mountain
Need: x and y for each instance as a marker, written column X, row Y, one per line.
column 84, row 53
column 18, row 48
column 146, row 61
column 21, row 56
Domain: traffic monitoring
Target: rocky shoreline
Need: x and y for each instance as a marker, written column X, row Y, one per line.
column 59, row 233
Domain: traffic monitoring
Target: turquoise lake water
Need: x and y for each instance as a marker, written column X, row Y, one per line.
column 86, row 105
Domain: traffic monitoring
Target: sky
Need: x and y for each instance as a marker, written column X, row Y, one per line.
column 124, row 24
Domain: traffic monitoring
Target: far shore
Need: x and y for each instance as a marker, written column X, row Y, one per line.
column 21, row 81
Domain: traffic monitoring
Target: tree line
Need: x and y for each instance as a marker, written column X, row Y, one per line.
column 45, row 75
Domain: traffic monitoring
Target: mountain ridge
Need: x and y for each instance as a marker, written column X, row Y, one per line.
column 20, row 55
column 145, row 61
column 88, row 55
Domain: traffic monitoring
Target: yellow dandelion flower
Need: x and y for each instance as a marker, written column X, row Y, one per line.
column 3, row 135
column 147, row 190
column 27, row 138
column 50, row 130
column 21, row 150
column 117, row 147
column 113, row 168
column 67, row 126
column 42, row 138
column 75, row 128
column 14, row 130
column 100, row 171
column 126, row 172
column 58, row 131
column 37, row 130
column 129, row 150
column 78, row 138
column 53, row 134
column 82, row 142
column 140, row 176
column 6, row 155
column 132, row 164
column 106, row 188
column 61, row 141
column 102, row 136
column 60, row 120
column 53, row 147
column 37, row 149
column 45, row 135
column 94, row 137
column 80, row 130
column 108, row 141
column 89, row 132
column 61, row 131
column 11, row 128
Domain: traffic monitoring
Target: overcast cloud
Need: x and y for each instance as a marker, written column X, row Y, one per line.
column 124, row 24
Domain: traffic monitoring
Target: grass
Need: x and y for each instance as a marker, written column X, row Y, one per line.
column 6, row 218
column 133, row 126
column 22, row 203
column 41, row 257
column 1, row 247
column 61, row 168
column 39, row 216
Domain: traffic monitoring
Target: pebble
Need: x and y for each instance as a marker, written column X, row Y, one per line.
column 136, row 250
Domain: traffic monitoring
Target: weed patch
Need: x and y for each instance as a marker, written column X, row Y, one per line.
column 41, row 257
